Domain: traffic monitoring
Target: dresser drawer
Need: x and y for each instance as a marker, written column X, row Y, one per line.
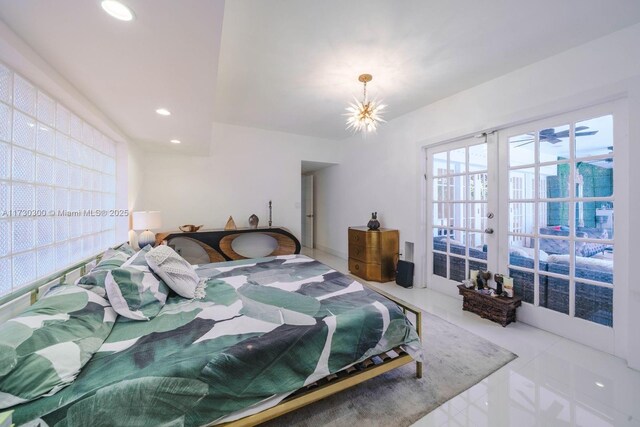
column 367, row 238
column 365, row 270
column 364, row 253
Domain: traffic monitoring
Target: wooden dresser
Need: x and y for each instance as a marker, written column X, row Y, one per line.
column 373, row 254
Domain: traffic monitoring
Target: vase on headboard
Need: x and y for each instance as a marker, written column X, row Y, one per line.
column 373, row 223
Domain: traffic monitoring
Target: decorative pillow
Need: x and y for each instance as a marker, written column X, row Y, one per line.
column 43, row 349
column 134, row 291
column 94, row 280
column 177, row 273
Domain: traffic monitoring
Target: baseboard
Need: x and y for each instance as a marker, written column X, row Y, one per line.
column 332, row 252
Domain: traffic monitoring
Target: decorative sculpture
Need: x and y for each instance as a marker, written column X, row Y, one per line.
column 231, row 224
column 253, row 221
column 190, row 228
column 373, row 223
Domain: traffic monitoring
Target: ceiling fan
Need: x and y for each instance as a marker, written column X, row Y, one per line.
column 552, row 137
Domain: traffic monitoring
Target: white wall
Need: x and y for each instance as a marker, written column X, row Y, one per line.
column 384, row 173
column 135, row 167
column 245, row 169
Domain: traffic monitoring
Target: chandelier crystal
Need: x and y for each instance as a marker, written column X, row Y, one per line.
column 364, row 116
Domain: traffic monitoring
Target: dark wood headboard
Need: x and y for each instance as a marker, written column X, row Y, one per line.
column 217, row 243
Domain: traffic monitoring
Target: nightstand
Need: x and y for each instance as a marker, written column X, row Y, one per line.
column 373, row 254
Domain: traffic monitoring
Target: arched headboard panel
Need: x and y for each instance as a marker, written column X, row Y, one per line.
column 218, row 243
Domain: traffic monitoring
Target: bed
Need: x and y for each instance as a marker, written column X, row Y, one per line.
column 271, row 335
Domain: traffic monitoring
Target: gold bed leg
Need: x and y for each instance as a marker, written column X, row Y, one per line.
column 419, row 330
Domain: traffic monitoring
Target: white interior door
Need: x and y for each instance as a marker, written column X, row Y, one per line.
column 461, row 202
column 307, row 211
column 559, row 241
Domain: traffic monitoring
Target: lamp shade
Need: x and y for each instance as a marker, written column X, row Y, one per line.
column 146, row 220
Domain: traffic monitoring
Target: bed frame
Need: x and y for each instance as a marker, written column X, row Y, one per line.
column 16, row 301
column 335, row 383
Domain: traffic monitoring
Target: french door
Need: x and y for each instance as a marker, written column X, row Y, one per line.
column 537, row 202
column 461, row 205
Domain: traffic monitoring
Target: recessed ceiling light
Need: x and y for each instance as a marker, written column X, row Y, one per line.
column 117, row 10
column 176, row 141
column 163, row 112
column 599, row 384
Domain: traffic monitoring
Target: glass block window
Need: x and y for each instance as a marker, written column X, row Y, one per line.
column 57, row 179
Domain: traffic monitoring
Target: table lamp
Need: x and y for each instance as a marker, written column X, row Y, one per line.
column 146, row 220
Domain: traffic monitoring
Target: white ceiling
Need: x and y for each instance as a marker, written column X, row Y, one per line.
column 292, row 65
column 166, row 57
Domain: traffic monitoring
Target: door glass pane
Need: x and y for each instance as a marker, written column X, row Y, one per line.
column 594, row 137
column 440, row 239
column 520, row 252
column 554, row 181
column 594, row 178
column 440, row 214
column 458, row 215
column 521, row 183
column 457, row 243
column 440, row 189
column 477, row 216
column 553, row 218
column 594, row 219
column 440, row 164
column 457, row 268
column 458, row 161
column 521, row 218
column 522, row 150
column 523, row 284
column 478, row 186
column 597, row 267
column 554, row 293
column 594, row 303
column 476, row 265
column 477, row 243
column 478, row 157
column 457, row 187
column 554, row 144
column 440, row 265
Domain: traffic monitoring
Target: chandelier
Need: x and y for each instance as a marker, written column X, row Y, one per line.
column 364, row 116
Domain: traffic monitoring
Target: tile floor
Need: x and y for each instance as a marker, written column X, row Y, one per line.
column 553, row 382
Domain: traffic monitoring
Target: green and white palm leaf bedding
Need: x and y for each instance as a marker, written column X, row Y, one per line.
column 95, row 279
column 264, row 329
column 43, row 349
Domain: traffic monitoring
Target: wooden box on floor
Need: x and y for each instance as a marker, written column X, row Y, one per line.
column 373, row 254
column 501, row 310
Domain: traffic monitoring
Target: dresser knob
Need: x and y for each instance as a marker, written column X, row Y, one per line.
column 357, row 267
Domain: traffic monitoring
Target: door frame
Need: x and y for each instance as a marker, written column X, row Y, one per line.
column 304, row 196
column 615, row 343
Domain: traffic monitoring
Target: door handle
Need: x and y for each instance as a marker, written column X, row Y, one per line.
column 488, row 230
column 309, row 216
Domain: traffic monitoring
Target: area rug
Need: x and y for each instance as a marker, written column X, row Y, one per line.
column 455, row 360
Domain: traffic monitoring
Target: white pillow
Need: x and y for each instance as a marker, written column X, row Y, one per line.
column 177, row 273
